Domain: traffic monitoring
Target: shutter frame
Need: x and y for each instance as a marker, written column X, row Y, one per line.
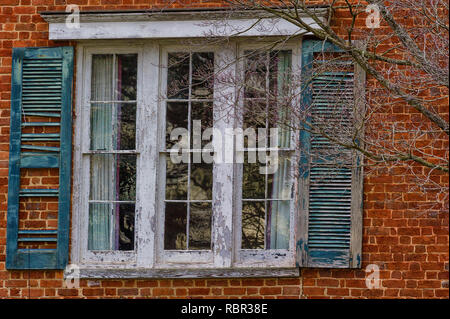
column 328, row 257
column 40, row 258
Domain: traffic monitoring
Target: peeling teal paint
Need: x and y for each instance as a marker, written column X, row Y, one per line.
column 47, row 157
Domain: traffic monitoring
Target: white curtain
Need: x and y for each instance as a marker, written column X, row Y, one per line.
column 281, row 187
column 103, row 172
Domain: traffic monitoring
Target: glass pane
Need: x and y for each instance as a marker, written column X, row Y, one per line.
column 113, row 126
column 126, row 132
column 279, row 184
column 102, row 126
column 178, row 76
column 125, row 236
column 201, row 181
column 104, row 216
column 278, row 222
column 253, row 182
column 102, row 77
column 126, row 77
column 113, row 177
column 176, row 180
column 255, row 114
column 127, row 177
column 253, row 224
column 200, row 226
column 203, row 112
column 202, row 75
column 280, row 67
column 99, row 226
column 255, row 74
column 176, row 117
column 175, row 226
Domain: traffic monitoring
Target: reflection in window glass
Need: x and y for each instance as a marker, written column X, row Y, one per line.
column 266, row 198
column 188, row 190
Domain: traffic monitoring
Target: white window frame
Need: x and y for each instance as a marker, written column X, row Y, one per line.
column 149, row 259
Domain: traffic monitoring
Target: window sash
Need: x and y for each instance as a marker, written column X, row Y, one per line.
column 190, row 258
column 86, row 153
column 267, row 257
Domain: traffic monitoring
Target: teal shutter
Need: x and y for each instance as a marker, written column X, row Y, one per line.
column 42, row 89
column 330, row 186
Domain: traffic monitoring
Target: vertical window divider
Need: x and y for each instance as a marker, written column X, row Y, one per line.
column 188, row 193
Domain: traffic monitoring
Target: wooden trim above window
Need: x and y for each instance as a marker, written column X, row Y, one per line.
column 173, row 24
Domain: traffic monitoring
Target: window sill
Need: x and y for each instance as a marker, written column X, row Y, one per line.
column 108, row 273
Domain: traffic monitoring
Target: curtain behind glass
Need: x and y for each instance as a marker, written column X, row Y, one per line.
column 102, row 167
column 280, row 210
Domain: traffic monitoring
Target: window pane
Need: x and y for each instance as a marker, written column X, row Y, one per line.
column 126, row 131
column 201, row 181
column 279, row 184
column 114, row 77
column 127, row 177
column 102, row 78
column 126, row 77
column 175, row 226
column 99, row 226
column 113, row 177
column 253, row 224
column 253, row 182
column 203, row 112
column 255, row 74
column 280, row 69
column 278, row 221
column 111, row 226
column 102, row 127
column 255, row 114
column 176, row 180
column 202, row 75
column 125, row 236
column 200, row 226
column 113, row 126
column 176, row 117
column 178, row 76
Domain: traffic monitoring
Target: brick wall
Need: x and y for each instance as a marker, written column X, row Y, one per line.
column 408, row 242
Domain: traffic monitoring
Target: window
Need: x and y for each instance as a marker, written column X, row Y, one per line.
column 184, row 169
column 199, row 212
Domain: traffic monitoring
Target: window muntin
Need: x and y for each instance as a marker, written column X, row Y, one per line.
column 112, row 156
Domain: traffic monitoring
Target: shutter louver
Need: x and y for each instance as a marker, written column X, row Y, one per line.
column 330, row 179
column 40, row 138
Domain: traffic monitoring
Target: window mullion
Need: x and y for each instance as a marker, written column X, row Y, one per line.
column 223, row 172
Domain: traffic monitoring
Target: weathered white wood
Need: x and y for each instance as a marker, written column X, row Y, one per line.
column 109, row 273
column 223, row 203
column 76, row 234
column 147, row 129
column 357, row 170
column 187, row 25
